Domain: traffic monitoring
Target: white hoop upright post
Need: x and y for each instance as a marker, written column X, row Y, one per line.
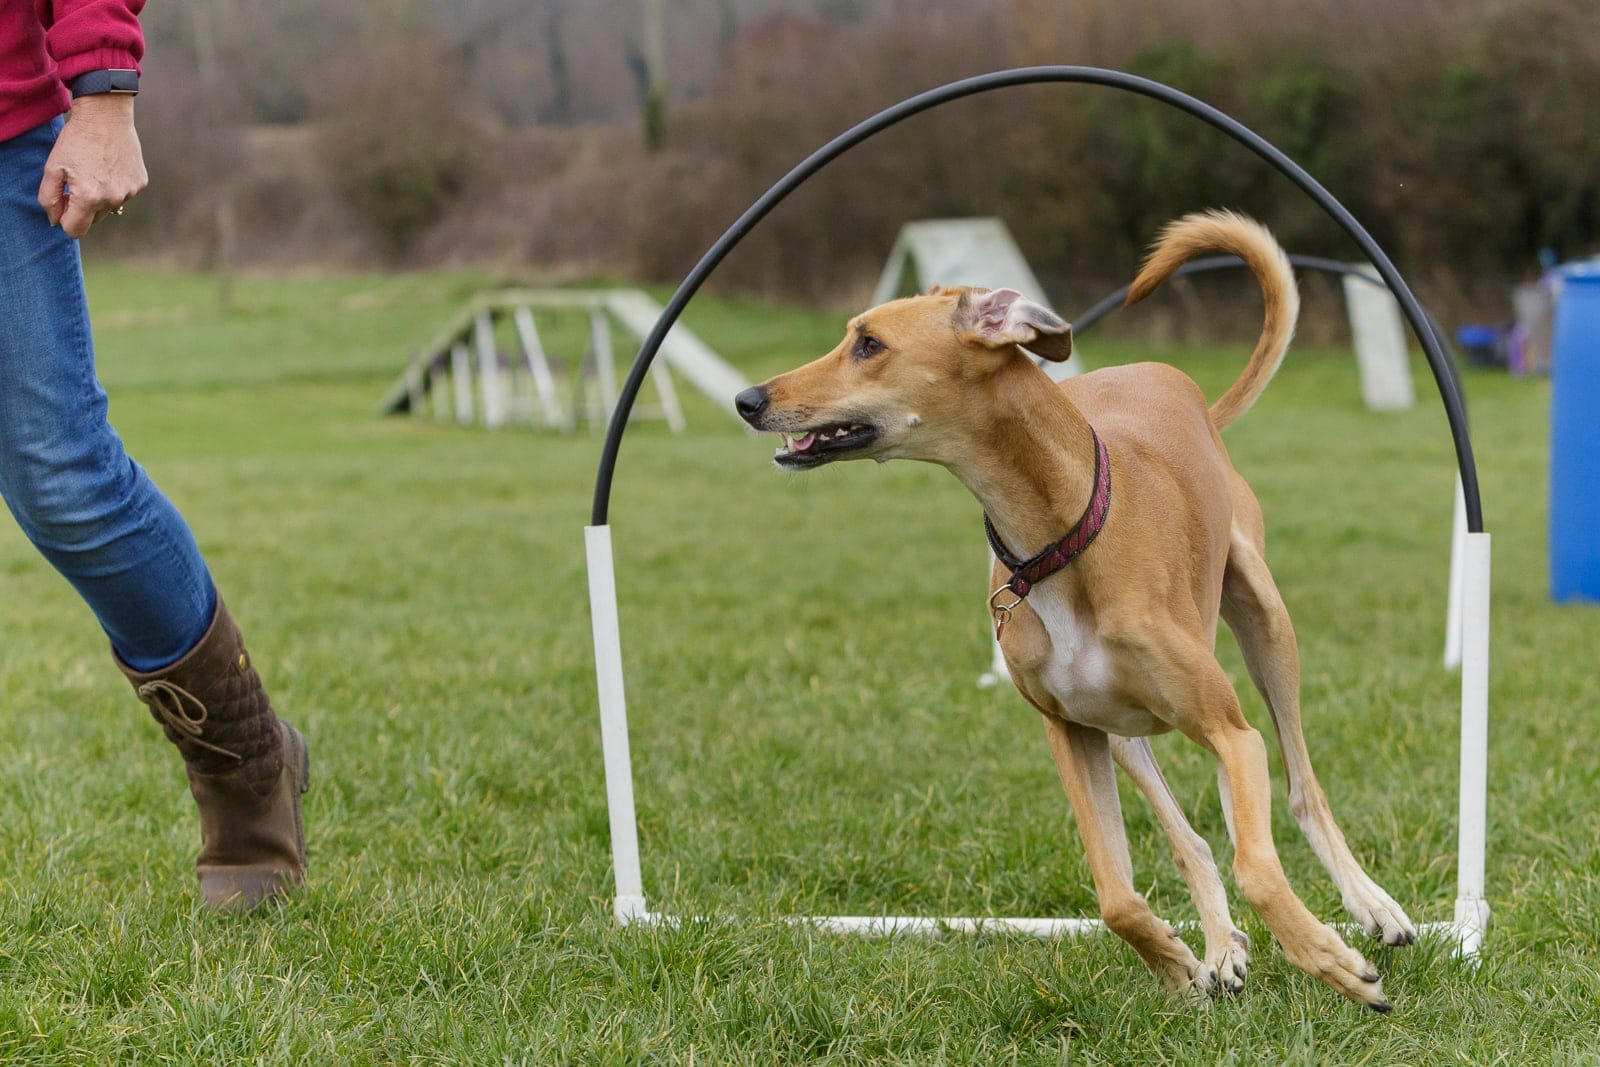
column 1472, row 908
column 1453, row 608
column 628, row 905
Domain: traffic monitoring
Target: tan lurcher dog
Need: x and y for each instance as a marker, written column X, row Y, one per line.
column 1116, row 645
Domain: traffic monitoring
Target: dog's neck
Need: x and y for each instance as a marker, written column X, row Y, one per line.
column 1031, row 463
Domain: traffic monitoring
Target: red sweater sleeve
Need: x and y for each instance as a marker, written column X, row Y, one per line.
column 85, row 35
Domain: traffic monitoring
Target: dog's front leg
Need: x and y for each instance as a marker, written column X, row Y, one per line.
column 1227, row 948
column 1310, row 945
column 1083, row 758
column 1180, row 680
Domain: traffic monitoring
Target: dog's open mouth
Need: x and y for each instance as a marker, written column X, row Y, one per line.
column 815, row 447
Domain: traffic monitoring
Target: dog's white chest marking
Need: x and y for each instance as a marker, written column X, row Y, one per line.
column 1078, row 672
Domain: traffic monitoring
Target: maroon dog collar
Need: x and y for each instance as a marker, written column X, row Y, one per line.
column 1026, row 573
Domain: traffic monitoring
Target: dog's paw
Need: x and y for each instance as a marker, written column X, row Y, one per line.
column 1378, row 914
column 1231, row 962
column 1204, row 983
column 1197, row 983
column 1180, row 972
column 1327, row 957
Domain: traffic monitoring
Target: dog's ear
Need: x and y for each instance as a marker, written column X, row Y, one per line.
column 1001, row 317
column 949, row 290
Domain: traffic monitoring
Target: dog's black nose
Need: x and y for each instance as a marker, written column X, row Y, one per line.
column 751, row 402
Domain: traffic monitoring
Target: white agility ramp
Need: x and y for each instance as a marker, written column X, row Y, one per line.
column 630, row 906
column 464, row 372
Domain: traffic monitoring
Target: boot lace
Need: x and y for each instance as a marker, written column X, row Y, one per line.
column 182, row 711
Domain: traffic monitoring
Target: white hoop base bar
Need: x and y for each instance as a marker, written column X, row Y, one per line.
column 1465, row 934
column 629, row 906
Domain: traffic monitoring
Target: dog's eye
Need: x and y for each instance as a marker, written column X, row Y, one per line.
column 867, row 346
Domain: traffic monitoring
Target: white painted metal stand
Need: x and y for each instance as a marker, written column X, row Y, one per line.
column 629, row 906
column 1453, row 603
column 628, row 903
column 1472, row 908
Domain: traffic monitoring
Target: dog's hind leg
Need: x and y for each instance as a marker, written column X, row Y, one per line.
column 1256, row 614
column 1227, row 948
column 1083, row 759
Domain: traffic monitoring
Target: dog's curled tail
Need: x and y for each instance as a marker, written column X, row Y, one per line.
column 1224, row 231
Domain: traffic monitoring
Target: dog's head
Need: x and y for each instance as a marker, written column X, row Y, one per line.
column 900, row 384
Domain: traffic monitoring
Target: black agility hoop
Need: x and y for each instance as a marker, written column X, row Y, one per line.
column 1440, row 363
column 1468, row 612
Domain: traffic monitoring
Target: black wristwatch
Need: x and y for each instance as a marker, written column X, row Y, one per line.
column 95, row 82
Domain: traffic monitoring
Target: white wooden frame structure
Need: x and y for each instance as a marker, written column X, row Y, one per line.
column 525, row 389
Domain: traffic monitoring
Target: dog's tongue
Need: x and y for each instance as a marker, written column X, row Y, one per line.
column 805, row 442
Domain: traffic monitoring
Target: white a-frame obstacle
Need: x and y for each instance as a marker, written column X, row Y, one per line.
column 463, row 375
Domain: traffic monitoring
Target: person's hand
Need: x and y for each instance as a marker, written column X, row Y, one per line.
column 96, row 165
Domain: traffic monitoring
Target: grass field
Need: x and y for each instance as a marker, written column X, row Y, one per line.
column 807, row 736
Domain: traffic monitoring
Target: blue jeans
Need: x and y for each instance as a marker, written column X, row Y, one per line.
column 90, row 509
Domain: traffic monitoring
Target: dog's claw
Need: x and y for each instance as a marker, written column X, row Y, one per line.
column 1382, row 1007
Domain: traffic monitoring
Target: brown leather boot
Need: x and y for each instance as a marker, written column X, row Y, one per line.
column 246, row 767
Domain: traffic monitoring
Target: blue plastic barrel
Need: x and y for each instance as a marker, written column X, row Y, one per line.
column 1575, row 439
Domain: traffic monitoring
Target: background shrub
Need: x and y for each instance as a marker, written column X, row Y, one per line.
column 1463, row 135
